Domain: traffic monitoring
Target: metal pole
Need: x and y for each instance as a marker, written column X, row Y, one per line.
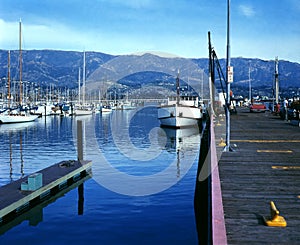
column 276, row 81
column 250, row 82
column 227, row 147
column 211, row 76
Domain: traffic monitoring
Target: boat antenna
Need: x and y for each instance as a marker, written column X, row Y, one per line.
column 178, row 87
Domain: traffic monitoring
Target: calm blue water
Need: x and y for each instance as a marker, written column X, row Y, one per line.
column 141, row 192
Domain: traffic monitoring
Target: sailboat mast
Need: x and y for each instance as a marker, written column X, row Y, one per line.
column 83, row 77
column 8, row 79
column 79, row 95
column 20, row 57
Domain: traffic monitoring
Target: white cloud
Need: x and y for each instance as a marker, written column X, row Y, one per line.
column 246, row 10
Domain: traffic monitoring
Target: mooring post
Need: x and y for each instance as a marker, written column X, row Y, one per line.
column 79, row 141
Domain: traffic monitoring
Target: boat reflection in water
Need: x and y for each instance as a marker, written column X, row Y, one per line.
column 182, row 138
column 15, row 131
column 16, row 127
column 185, row 142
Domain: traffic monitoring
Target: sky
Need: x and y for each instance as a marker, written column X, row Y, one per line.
column 258, row 28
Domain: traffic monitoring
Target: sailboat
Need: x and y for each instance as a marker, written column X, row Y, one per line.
column 180, row 111
column 82, row 109
column 19, row 117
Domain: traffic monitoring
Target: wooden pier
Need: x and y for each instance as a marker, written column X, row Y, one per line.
column 264, row 167
column 13, row 200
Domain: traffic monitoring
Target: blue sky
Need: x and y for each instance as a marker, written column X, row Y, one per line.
column 259, row 28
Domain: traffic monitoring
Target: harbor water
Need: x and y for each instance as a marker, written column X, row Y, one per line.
column 141, row 189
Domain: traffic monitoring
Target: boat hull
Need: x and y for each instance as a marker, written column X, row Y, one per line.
column 106, row 110
column 179, row 116
column 6, row 119
column 83, row 112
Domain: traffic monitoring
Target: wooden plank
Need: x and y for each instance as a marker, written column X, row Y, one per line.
column 249, row 180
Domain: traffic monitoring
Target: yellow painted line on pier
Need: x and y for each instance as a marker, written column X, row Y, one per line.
column 267, row 141
column 286, row 168
column 275, row 151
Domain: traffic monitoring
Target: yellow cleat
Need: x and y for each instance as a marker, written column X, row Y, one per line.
column 222, row 143
column 275, row 220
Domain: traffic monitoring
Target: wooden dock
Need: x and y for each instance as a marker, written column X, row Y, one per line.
column 264, row 167
column 13, row 201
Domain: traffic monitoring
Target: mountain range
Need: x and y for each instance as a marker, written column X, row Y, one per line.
column 61, row 69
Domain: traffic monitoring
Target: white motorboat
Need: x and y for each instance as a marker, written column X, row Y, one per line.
column 180, row 111
column 181, row 114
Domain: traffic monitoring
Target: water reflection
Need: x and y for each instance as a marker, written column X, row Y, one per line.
column 181, row 141
column 35, row 214
column 21, row 155
column 15, row 132
column 103, row 212
column 202, row 195
column 10, row 157
column 15, row 127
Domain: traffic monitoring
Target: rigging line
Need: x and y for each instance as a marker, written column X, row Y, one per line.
column 220, row 72
column 219, row 67
column 223, row 91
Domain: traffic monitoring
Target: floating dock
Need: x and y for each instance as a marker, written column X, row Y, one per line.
column 15, row 197
column 264, row 167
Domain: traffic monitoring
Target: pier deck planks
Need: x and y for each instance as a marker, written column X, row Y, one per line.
column 11, row 196
column 254, row 174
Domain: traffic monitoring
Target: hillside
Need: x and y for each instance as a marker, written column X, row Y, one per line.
column 51, row 66
column 60, row 68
